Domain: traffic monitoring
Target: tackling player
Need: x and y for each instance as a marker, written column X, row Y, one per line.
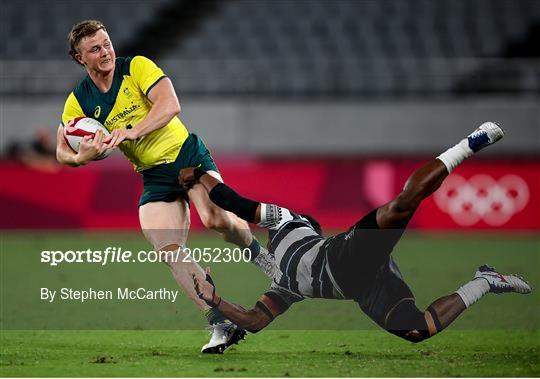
column 356, row 264
column 136, row 102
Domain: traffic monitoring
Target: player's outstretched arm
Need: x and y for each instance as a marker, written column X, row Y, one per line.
column 252, row 320
column 165, row 106
column 222, row 195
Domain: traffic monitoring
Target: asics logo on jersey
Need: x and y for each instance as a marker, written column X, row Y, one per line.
column 482, row 198
column 127, row 92
column 97, row 112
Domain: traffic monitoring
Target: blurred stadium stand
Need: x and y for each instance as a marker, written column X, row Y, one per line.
column 355, row 90
column 37, row 32
column 352, row 47
column 297, row 48
column 279, row 77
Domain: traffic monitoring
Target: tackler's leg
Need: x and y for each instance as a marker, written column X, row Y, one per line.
column 406, row 321
column 428, row 178
column 232, row 228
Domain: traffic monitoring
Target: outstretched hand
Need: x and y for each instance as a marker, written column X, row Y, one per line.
column 187, row 177
column 206, row 290
column 190, row 175
column 119, row 135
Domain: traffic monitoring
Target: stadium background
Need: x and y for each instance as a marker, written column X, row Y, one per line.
column 346, row 92
column 321, row 106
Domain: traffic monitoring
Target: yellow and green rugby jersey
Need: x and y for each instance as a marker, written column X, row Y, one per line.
column 124, row 106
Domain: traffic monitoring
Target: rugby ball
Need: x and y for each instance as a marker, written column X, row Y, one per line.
column 78, row 128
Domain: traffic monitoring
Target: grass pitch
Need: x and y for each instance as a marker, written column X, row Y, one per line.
column 499, row 336
column 273, row 353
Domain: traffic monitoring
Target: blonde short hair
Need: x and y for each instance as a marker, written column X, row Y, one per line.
column 80, row 30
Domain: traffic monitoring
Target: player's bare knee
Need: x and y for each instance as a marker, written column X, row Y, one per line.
column 170, row 254
column 405, row 320
column 428, row 325
column 414, row 194
column 396, row 213
column 414, row 336
column 216, row 219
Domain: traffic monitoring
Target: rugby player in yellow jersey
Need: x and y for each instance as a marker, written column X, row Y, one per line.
column 136, row 102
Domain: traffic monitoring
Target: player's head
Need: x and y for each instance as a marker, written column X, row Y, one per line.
column 314, row 223
column 91, row 47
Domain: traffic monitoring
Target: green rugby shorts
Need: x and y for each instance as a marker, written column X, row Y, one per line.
column 161, row 182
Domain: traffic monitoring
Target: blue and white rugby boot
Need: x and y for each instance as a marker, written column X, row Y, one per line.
column 499, row 283
column 486, row 134
column 224, row 335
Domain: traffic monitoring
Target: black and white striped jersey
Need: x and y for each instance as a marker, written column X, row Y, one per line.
column 301, row 257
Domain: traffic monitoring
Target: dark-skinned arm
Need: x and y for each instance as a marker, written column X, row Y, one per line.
column 252, row 320
column 222, row 195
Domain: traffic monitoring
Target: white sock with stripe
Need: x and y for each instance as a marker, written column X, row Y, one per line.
column 471, row 292
column 456, row 154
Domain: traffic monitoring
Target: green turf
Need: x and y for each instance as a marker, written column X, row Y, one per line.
column 274, row 353
column 496, row 337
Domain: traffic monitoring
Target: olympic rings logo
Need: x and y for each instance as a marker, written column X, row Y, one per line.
column 482, row 198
